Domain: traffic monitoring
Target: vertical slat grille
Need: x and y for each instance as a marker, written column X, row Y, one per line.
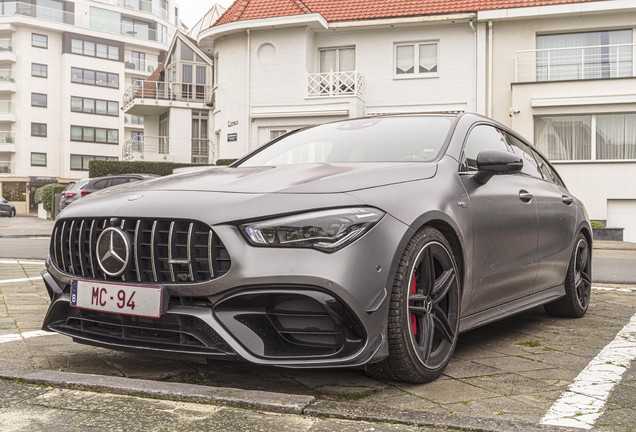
column 163, row 251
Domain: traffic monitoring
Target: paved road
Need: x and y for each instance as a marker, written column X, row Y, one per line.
column 25, row 248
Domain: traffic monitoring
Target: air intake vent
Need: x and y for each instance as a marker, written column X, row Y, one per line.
column 163, row 251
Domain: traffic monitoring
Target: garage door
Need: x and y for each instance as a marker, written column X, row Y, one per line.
column 622, row 214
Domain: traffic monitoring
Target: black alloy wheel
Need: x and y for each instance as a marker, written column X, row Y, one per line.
column 578, row 283
column 424, row 312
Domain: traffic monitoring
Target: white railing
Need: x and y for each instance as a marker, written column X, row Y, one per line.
column 7, row 107
column 334, row 84
column 170, row 91
column 6, row 75
column 577, row 63
column 158, row 147
column 7, row 137
column 140, row 65
column 7, row 167
column 84, row 21
column 145, row 6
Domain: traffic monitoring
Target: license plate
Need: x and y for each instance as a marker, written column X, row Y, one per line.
column 134, row 300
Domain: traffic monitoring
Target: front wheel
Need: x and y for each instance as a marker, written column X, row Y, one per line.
column 424, row 311
column 578, row 284
column 12, row 213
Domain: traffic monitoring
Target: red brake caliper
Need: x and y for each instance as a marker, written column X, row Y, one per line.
column 413, row 317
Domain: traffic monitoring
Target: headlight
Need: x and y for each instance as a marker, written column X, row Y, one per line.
column 327, row 230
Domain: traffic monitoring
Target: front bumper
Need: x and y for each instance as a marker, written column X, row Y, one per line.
column 275, row 306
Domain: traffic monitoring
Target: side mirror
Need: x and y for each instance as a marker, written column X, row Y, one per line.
column 495, row 162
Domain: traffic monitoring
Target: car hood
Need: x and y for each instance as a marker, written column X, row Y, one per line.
column 292, row 179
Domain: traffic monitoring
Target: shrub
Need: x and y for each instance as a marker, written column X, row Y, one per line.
column 46, row 195
column 597, row 224
column 99, row 168
column 225, row 161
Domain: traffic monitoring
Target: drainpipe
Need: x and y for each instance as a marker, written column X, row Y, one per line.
column 472, row 26
column 490, row 69
column 249, row 79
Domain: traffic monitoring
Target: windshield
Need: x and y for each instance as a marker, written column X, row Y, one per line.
column 375, row 139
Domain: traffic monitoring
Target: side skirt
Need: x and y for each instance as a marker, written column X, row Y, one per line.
column 512, row 308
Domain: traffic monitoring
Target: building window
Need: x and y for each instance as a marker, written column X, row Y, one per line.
column 337, row 60
column 416, row 59
column 38, row 100
column 96, row 135
column 39, row 41
column 93, row 49
column 38, row 159
column 39, row 70
column 38, row 129
column 137, row 141
column 139, row 60
column 138, row 120
column 275, row 133
column 590, row 55
column 96, row 78
column 94, row 106
column 587, row 137
column 164, row 133
column 80, row 162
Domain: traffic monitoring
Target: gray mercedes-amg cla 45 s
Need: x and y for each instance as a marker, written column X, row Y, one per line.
column 369, row 242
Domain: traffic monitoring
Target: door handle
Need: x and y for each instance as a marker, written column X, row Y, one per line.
column 525, row 196
column 567, row 200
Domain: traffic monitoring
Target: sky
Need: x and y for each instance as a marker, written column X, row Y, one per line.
column 192, row 10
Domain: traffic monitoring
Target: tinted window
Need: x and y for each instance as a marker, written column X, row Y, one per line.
column 482, row 137
column 101, row 184
column 530, row 166
column 118, row 181
column 375, row 139
column 547, row 170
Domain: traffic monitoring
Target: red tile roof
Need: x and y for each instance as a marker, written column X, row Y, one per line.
column 349, row 10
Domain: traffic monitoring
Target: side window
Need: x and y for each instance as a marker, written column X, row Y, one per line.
column 530, row 166
column 482, row 137
column 101, row 184
column 118, row 181
column 549, row 173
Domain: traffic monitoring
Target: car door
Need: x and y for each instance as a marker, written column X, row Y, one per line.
column 4, row 206
column 557, row 226
column 505, row 260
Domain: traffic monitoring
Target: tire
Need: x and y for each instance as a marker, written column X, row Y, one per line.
column 578, row 284
column 12, row 214
column 423, row 317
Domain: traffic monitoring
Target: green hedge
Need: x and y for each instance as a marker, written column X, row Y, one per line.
column 46, row 195
column 99, row 168
column 225, row 161
column 597, row 224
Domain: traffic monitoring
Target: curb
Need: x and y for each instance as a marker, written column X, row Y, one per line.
column 25, row 236
column 270, row 401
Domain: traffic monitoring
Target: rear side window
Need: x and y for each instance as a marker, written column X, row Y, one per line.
column 102, row 184
column 118, row 181
column 482, row 137
column 547, row 171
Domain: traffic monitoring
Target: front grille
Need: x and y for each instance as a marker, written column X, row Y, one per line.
column 199, row 253
column 168, row 333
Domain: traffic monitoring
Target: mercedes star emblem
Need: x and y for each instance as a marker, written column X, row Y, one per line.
column 113, row 251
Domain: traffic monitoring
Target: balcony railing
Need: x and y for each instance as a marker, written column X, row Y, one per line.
column 334, row 84
column 146, row 6
column 7, row 107
column 577, row 63
column 84, row 21
column 6, row 44
column 140, row 65
column 161, row 147
column 7, row 167
column 7, row 137
column 169, row 91
column 6, row 75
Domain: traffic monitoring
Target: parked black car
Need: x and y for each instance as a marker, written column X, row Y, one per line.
column 372, row 241
column 6, row 208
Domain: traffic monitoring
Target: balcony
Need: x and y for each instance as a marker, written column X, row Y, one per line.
column 145, row 6
column 7, row 81
column 577, row 63
column 140, row 66
column 166, row 149
column 7, row 167
column 152, row 97
column 330, row 84
column 85, row 21
column 7, row 50
column 7, row 111
column 7, row 142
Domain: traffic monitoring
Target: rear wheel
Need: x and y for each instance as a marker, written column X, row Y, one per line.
column 424, row 311
column 578, row 284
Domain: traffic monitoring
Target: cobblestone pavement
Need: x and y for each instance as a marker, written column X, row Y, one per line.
column 515, row 369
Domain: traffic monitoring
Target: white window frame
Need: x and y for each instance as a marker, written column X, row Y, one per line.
column 416, row 60
column 337, row 50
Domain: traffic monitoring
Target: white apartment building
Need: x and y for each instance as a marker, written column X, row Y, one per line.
column 564, row 76
column 64, row 68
